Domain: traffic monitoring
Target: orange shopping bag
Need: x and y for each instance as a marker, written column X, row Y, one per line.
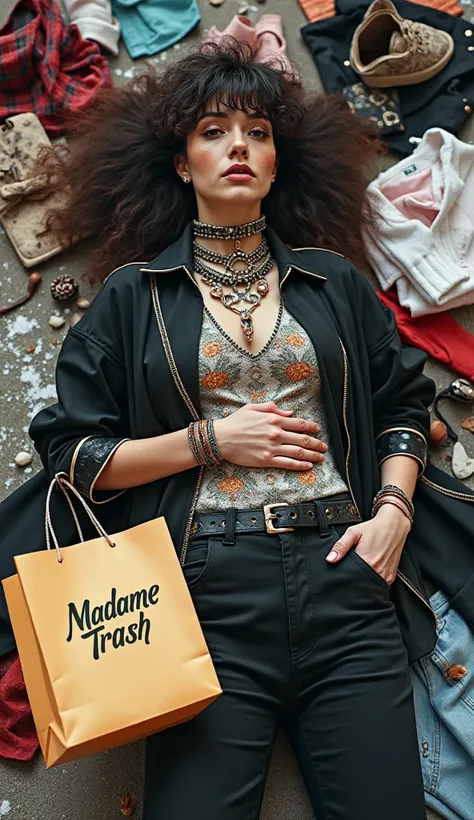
column 109, row 642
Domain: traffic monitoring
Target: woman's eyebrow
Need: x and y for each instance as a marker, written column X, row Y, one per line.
column 254, row 115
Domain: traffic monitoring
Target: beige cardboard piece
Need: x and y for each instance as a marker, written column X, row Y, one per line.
column 23, row 201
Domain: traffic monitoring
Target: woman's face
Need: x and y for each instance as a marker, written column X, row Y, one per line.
column 222, row 141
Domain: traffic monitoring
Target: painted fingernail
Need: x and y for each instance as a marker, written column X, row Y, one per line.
column 332, row 556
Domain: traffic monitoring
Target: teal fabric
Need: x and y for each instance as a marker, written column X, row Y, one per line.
column 150, row 26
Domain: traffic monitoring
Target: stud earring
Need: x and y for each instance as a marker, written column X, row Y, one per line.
column 186, row 179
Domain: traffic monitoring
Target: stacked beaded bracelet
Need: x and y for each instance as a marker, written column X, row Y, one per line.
column 203, row 444
column 391, row 494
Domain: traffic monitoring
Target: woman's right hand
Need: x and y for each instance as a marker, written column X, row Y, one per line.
column 262, row 435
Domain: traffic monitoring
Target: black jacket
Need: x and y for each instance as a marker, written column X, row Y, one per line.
column 440, row 101
column 129, row 368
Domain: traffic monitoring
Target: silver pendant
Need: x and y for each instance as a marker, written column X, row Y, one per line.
column 229, row 299
column 253, row 298
column 246, row 324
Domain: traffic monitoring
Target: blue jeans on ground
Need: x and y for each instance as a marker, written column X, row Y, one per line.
column 444, row 710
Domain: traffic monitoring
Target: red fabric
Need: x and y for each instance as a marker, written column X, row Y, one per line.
column 45, row 66
column 439, row 335
column 18, row 738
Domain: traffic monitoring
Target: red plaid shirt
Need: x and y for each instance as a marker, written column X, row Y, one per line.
column 45, row 66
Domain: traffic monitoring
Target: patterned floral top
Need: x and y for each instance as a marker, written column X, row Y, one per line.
column 285, row 371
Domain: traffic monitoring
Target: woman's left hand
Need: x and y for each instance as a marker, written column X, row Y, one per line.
column 379, row 541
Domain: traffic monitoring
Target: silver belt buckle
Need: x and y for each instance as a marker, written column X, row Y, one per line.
column 270, row 516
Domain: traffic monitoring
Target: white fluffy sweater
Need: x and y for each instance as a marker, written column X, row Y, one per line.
column 425, row 239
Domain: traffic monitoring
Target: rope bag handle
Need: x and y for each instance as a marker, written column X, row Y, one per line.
column 62, row 481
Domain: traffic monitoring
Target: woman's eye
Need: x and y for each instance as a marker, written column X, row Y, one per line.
column 259, row 132
column 212, row 132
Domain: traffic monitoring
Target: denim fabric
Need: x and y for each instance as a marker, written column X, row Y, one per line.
column 445, row 716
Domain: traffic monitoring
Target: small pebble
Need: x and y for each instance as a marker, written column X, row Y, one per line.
column 22, row 459
column 56, row 321
column 216, row 2
column 244, row 8
column 438, row 432
column 31, row 348
column 75, row 318
column 56, row 342
column 83, row 304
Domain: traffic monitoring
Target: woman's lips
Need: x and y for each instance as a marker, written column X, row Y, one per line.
column 238, row 176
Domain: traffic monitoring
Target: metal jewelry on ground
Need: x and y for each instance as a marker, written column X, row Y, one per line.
column 252, row 273
column 460, row 390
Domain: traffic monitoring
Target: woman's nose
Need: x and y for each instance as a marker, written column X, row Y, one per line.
column 239, row 148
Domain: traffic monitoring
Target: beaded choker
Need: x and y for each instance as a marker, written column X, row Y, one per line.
column 209, row 231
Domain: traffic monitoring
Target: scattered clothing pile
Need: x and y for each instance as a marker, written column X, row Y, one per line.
column 445, row 100
column 424, row 242
column 47, row 68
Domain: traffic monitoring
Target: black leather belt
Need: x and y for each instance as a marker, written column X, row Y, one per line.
column 277, row 518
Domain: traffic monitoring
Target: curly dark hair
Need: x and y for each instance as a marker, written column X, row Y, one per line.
column 123, row 187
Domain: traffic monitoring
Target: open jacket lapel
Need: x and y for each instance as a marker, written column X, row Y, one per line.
column 302, row 288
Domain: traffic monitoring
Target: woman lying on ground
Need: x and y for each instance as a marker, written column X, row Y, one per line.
column 197, row 184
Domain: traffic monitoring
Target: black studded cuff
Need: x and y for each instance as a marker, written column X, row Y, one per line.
column 402, row 442
column 89, row 459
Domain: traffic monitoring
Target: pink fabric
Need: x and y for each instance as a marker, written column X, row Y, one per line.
column 413, row 196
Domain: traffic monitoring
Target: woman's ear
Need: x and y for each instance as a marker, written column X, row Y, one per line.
column 181, row 166
column 275, row 168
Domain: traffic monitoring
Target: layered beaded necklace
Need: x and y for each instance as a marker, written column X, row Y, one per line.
column 254, row 268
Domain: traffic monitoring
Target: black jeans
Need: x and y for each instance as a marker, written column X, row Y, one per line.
column 307, row 645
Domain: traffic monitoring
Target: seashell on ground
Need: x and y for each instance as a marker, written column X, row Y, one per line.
column 461, row 465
